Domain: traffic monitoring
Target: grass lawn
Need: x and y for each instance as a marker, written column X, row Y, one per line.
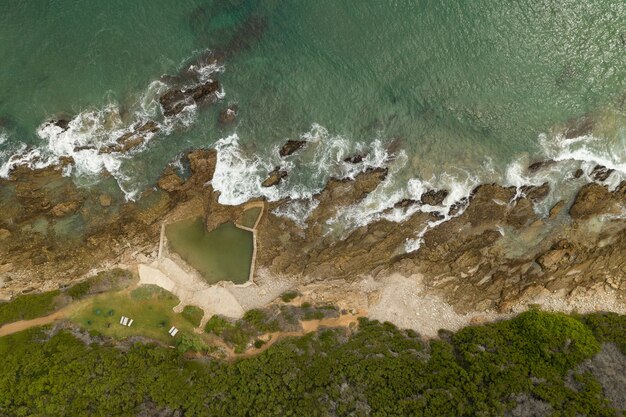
column 149, row 306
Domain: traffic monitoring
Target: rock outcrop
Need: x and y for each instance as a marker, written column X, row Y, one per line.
column 275, row 177
column 494, row 253
column 291, row 147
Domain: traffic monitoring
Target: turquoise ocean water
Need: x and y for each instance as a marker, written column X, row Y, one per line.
column 447, row 93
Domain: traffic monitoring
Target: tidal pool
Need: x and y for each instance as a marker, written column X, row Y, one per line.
column 225, row 254
column 250, row 216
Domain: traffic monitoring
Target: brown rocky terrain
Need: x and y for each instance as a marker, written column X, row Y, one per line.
column 494, row 254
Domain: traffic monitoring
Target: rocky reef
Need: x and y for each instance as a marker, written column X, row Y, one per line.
column 494, row 252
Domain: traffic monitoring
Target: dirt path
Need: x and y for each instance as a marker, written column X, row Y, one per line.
column 307, row 327
column 18, row 326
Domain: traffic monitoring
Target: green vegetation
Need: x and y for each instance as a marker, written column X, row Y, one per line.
column 376, row 369
column 31, row 306
column 241, row 333
column 250, row 216
column 608, row 327
column 313, row 315
column 193, row 315
column 148, row 305
column 289, row 296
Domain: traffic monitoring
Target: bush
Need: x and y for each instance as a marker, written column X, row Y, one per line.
column 30, row 306
column 193, row 315
column 190, row 343
column 607, row 327
column 217, row 325
column 289, row 296
column 79, row 290
column 376, row 370
column 313, row 315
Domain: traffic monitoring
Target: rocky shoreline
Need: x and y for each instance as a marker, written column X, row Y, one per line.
column 495, row 252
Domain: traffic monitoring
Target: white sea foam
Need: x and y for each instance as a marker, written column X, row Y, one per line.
column 92, row 131
column 238, row 176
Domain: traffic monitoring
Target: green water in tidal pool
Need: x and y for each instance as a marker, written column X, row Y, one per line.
column 462, row 87
column 225, row 254
column 250, row 217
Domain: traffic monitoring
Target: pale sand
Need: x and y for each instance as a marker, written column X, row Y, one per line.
column 224, row 298
column 404, row 302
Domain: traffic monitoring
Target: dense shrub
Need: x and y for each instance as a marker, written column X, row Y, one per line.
column 193, row 315
column 29, row 306
column 376, row 370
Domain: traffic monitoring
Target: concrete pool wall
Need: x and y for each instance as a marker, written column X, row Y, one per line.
column 164, row 251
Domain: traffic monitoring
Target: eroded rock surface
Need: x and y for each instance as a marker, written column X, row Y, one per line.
column 495, row 253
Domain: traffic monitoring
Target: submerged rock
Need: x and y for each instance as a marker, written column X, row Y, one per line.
column 578, row 173
column 64, row 209
column 406, row 202
column 579, row 127
column 537, row 166
column 105, row 200
column 355, row 159
column 290, row 147
column 64, row 124
column 228, row 115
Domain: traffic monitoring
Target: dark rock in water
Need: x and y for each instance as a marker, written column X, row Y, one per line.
column 601, row 173
column 175, row 100
column 579, row 127
column 536, row 193
column 536, row 166
column 355, row 159
column 578, row 173
column 228, row 115
column 130, row 140
column 7, row 122
column 148, row 127
column 83, row 148
column 275, row 177
column 202, row 91
column 248, row 34
column 290, row 147
column 556, row 209
column 592, row 199
column 456, row 207
column 406, row 202
column 434, row 197
column 64, row 124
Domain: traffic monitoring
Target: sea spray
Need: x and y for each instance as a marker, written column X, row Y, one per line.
column 91, row 139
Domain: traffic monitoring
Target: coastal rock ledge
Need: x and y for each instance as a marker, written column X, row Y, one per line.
column 490, row 256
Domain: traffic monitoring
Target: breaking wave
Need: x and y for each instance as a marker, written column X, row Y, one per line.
column 95, row 138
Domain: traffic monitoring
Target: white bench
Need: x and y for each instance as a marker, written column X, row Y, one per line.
column 125, row 321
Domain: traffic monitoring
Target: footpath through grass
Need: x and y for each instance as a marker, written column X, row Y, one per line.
column 149, row 306
column 32, row 306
